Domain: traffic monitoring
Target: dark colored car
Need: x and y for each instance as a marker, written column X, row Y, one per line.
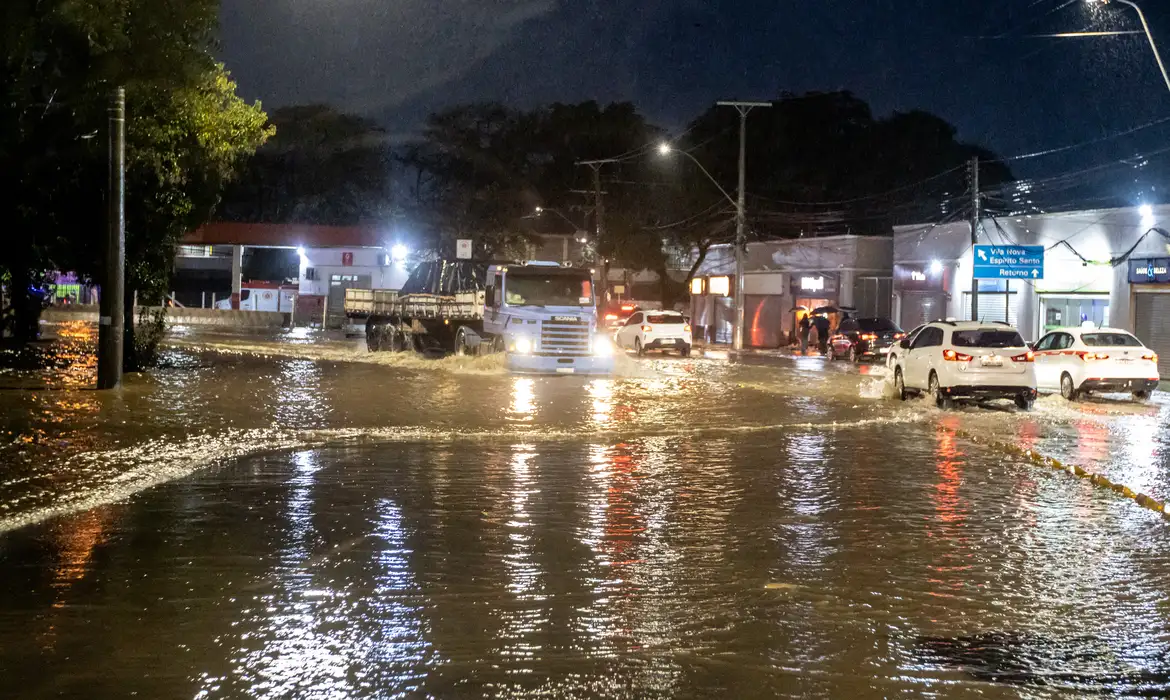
column 864, row 338
column 616, row 314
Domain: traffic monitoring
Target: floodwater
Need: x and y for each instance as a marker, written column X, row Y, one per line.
column 291, row 517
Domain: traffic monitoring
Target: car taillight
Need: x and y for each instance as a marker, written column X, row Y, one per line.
column 647, row 329
column 899, row 336
column 952, row 356
column 627, row 308
column 1090, row 356
column 1026, row 357
column 611, row 317
column 1152, row 357
column 868, row 336
column 686, row 328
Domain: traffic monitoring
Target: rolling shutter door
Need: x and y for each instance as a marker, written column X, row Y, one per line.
column 921, row 307
column 1152, row 326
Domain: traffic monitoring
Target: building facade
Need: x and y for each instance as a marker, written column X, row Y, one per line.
column 1102, row 266
column 783, row 278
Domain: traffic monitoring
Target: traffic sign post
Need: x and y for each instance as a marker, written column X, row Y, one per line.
column 463, row 249
column 1009, row 262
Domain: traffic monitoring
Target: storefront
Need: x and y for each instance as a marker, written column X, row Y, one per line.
column 713, row 309
column 920, row 294
column 1149, row 280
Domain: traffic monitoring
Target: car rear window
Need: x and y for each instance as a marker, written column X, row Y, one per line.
column 987, row 338
column 878, row 325
column 665, row 319
column 1111, row 340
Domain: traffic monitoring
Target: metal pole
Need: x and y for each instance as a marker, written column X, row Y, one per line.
column 740, row 214
column 599, row 214
column 111, row 324
column 975, row 216
column 740, row 235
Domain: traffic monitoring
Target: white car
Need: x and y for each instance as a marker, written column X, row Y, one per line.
column 1076, row 361
column 655, row 330
column 966, row 360
column 897, row 348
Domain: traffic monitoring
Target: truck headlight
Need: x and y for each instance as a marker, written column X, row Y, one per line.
column 602, row 347
column 523, row 345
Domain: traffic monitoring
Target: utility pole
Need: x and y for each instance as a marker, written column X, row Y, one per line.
column 976, row 215
column 113, row 301
column 740, row 215
column 599, row 220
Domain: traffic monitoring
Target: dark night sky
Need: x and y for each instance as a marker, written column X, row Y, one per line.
column 397, row 60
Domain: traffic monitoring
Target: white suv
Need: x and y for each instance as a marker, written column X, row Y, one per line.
column 967, row 360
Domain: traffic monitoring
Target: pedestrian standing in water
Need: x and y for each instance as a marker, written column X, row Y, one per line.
column 822, row 324
column 802, row 332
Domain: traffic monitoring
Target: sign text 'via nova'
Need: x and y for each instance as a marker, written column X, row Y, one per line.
column 1009, row 262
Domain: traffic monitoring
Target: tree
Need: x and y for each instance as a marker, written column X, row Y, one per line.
column 323, row 167
column 186, row 133
column 482, row 169
column 821, row 163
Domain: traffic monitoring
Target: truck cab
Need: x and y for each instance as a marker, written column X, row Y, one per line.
column 544, row 317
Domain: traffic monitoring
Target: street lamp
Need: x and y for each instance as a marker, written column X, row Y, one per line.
column 1149, row 34
column 665, row 149
column 740, row 209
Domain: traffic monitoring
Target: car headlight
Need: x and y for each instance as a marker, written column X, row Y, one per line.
column 602, row 347
column 523, row 345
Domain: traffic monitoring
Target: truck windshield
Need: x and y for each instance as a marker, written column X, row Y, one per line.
column 548, row 290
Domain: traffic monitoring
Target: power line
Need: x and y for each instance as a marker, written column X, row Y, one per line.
column 852, row 200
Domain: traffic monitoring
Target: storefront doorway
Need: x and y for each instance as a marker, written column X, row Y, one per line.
column 1070, row 310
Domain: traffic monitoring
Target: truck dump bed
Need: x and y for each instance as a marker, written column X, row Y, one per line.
column 442, row 289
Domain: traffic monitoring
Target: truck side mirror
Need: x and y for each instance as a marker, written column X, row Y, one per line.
column 489, row 297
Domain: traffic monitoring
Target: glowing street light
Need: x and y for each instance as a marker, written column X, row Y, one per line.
column 1149, row 34
column 399, row 252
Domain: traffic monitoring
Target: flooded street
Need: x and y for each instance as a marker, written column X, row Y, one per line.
column 291, row 516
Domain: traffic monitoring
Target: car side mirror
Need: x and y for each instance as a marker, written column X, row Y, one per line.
column 904, row 344
column 1031, row 346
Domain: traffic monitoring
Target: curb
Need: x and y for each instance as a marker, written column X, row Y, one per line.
column 1143, row 500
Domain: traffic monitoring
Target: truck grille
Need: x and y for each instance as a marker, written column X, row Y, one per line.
column 564, row 338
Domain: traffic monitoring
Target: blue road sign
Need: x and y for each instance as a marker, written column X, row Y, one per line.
column 1011, row 262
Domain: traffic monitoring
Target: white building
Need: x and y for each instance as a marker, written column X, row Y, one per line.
column 1100, row 266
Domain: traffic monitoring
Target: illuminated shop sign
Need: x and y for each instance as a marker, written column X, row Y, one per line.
column 1149, row 271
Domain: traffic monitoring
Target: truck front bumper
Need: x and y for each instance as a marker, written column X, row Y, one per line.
column 558, row 364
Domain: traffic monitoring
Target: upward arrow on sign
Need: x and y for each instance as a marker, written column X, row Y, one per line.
column 1035, row 274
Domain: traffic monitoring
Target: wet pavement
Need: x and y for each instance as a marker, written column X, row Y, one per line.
column 292, row 517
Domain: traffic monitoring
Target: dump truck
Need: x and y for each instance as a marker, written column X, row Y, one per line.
column 540, row 315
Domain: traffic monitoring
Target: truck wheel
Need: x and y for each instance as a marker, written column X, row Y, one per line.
column 373, row 337
column 396, row 342
column 462, row 349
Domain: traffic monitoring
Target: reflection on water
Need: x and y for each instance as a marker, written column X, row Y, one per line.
column 692, row 529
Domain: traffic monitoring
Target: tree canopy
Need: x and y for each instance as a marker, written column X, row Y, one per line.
column 818, row 164
column 322, row 167
column 187, row 132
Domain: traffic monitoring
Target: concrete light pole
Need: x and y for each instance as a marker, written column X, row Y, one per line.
column 740, row 215
column 599, row 236
column 112, row 320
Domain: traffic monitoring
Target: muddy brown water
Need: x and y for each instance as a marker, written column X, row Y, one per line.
column 289, row 517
